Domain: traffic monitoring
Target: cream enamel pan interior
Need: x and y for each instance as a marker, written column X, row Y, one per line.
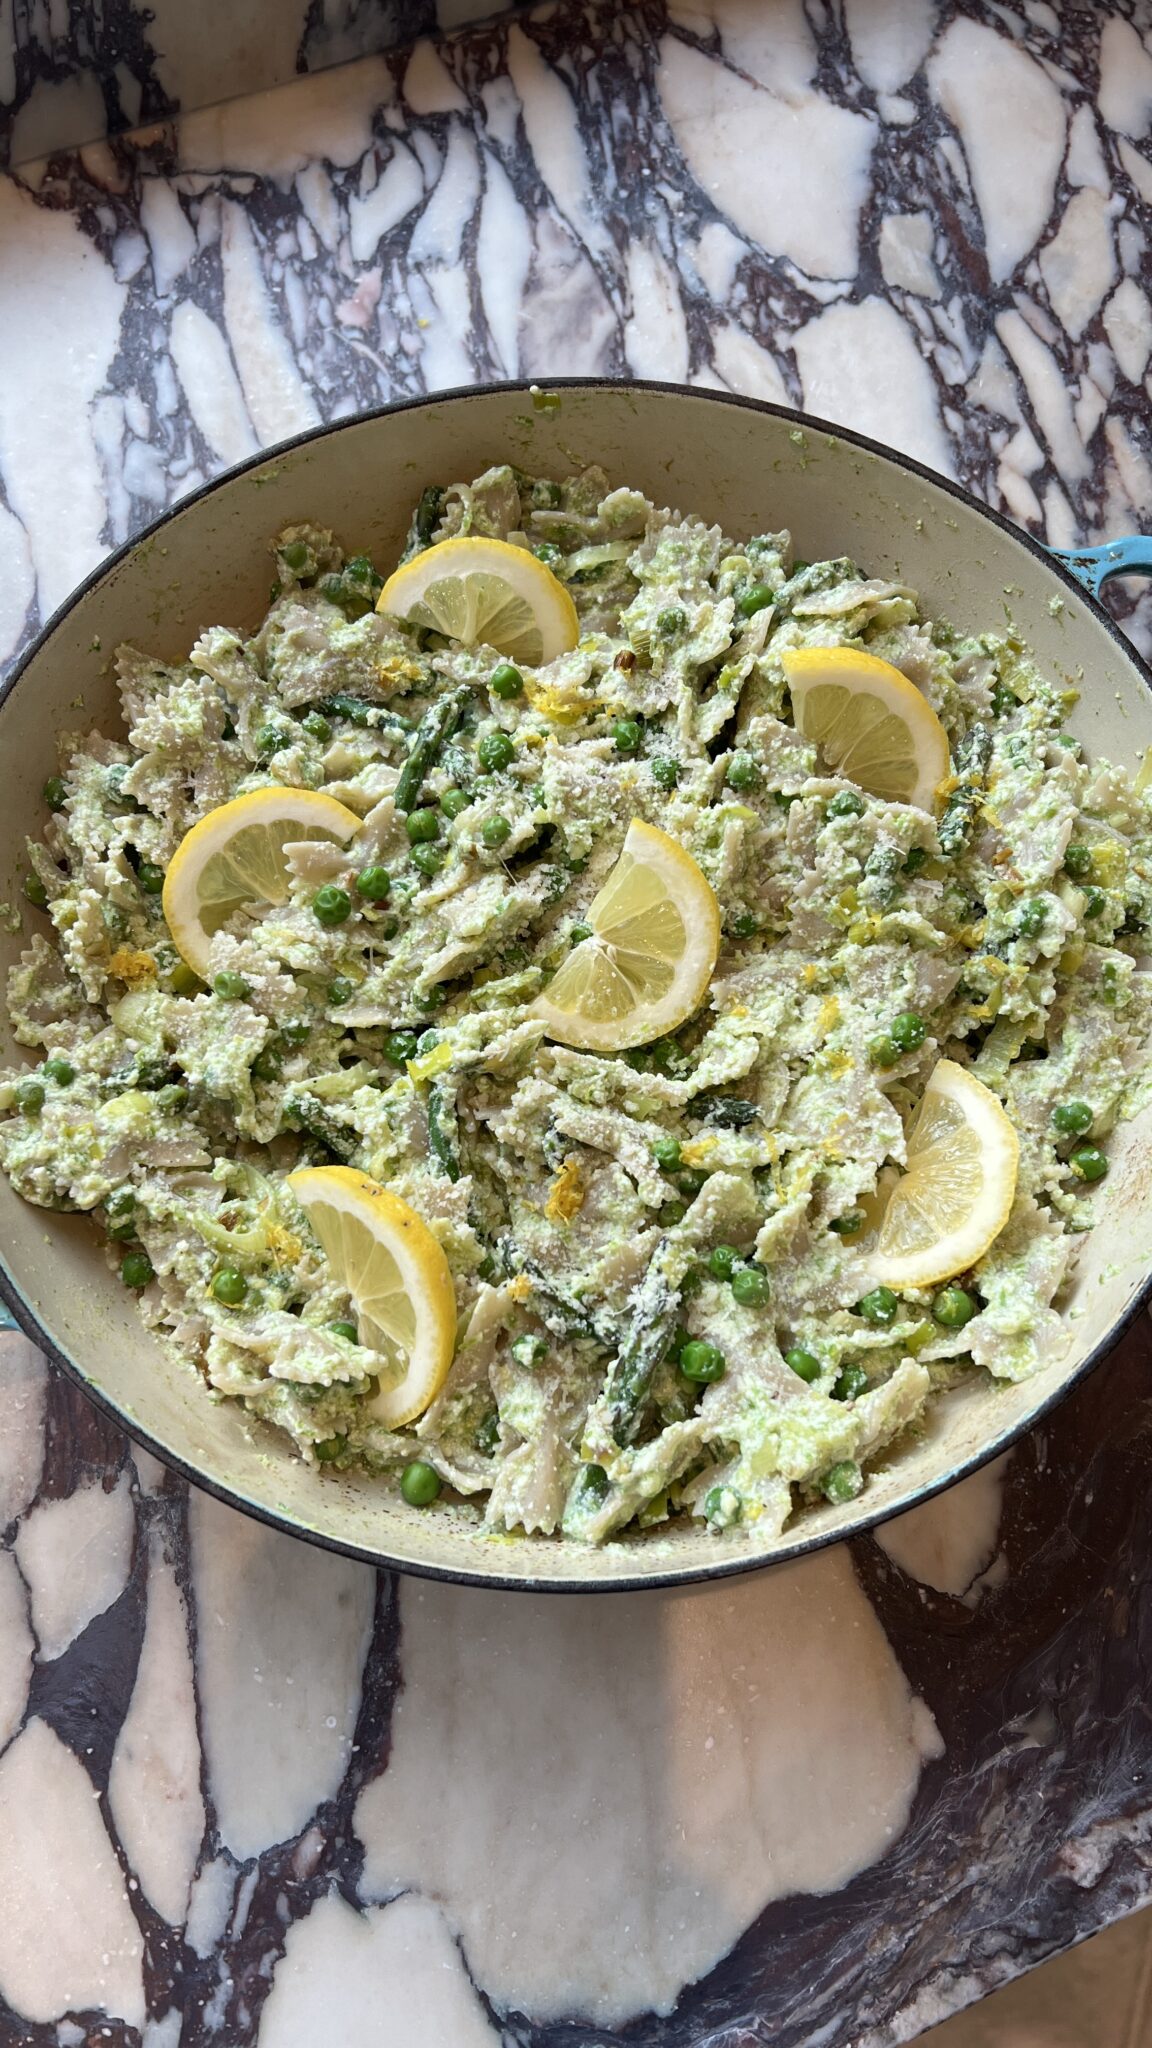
column 750, row 468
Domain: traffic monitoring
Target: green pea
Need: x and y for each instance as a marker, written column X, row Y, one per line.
column 626, row 735
column 548, row 553
column 428, row 859
column 666, row 1153
column 665, row 771
column 953, row 1307
column 671, row 1213
column 348, row 1331
column 803, row 1363
column 846, row 805
column 422, row 827
column 269, row 741
column 229, row 1286
column 296, row 1031
column 883, row 1050
column 331, row 906
column 328, row 1449
column 751, row 1287
column 35, row 891
column 494, row 831
column 848, row 1225
column 295, row 556
column 120, row 1211
column 1032, row 920
column 61, row 1071
column 506, row 681
column 722, row 1261
column 529, row 1351
column 453, row 802
column 702, row 1362
column 420, row 1484
column 1095, row 903
column 340, row 990
column 136, row 1269
column 691, row 1180
column 841, row 1483
column 785, row 798
column 1077, row 862
column 427, row 1040
column 743, row 772
column 879, row 1307
column 494, row 752
column 908, row 1031
column 30, row 1097
column 374, row 883
column 184, row 980
column 317, row 726
column 55, row 792
column 723, row 1506
column 399, row 1047
column 1088, row 1162
column 850, row 1382
column 671, row 623
column 756, row 598
column 915, row 859
column 577, row 933
column 1072, row 1119
column 150, row 878
column 231, row 988
column 744, row 925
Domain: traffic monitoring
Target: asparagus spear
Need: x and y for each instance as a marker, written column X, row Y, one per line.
column 557, row 1309
column 427, row 517
column 972, row 757
column 437, row 725
column 654, row 1318
column 307, row 1115
column 442, row 1132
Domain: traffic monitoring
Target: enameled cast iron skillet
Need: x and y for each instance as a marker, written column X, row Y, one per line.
column 750, row 467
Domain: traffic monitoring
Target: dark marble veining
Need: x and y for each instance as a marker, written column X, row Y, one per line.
column 70, row 75
column 930, row 221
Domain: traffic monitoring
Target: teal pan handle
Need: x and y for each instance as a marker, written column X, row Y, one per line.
column 1094, row 567
column 7, row 1320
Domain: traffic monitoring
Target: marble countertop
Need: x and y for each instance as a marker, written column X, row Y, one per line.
column 251, row 1793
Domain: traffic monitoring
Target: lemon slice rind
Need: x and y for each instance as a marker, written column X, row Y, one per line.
column 646, row 968
column 398, row 1277
column 871, row 724
column 956, row 1194
column 485, row 592
column 232, row 856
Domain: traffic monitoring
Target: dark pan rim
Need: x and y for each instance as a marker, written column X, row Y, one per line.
column 673, row 1576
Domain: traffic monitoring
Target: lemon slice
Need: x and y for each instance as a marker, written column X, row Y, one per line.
column 655, row 937
column 871, row 724
column 398, row 1277
column 956, row 1194
column 485, row 592
column 235, row 857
